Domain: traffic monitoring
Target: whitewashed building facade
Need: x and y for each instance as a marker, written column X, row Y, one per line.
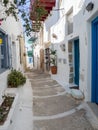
column 11, row 43
column 75, row 31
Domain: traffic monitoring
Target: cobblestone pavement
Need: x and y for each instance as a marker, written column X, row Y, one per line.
column 53, row 108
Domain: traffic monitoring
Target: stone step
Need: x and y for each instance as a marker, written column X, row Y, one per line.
column 94, row 108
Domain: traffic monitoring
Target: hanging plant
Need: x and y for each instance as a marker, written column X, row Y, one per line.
column 38, row 11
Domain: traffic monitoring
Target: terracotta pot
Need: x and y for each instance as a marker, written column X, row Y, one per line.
column 54, row 69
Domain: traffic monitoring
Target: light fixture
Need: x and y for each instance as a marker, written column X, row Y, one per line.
column 54, row 35
column 90, row 6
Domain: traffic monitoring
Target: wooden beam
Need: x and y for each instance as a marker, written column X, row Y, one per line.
column 47, row 4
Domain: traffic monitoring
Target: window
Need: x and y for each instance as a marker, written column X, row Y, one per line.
column 4, row 52
column 30, row 59
column 70, row 22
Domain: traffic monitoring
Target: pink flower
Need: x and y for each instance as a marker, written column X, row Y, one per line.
column 32, row 1
column 1, row 21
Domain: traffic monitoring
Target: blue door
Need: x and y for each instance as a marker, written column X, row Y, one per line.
column 95, row 60
column 76, row 61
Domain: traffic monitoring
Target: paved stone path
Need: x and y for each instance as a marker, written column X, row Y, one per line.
column 53, row 108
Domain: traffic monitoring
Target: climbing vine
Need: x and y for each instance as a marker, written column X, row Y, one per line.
column 18, row 8
column 22, row 8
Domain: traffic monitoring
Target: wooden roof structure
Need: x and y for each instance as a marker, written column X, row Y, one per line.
column 39, row 11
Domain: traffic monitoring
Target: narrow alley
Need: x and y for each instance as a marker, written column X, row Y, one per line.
column 53, row 107
column 49, row 64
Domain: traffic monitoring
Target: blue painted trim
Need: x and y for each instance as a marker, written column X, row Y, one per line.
column 4, row 51
column 76, row 61
column 94, row 57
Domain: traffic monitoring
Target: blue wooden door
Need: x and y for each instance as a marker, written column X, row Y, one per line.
column 95, row 60
column 76, row 61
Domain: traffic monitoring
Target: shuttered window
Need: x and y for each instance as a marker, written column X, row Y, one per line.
column 4, row 52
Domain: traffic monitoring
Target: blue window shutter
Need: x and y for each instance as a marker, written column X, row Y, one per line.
column 9, row 52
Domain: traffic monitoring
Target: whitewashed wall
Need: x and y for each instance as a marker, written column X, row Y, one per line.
column 82, row 29
column 50, row 21
column 37, row 56
column 3, row 83
column 13, row 29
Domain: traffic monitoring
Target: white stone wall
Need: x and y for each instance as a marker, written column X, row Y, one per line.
column 37, row 56
column 50, row 21
column 3, row 83
column 82, row 29
column 13, row 29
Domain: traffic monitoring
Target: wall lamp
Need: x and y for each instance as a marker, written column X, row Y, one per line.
column 54, row 36
column 90, row 6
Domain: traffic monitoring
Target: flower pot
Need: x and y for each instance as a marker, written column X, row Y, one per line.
column 54, row 69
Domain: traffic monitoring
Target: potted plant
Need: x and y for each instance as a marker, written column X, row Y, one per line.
column 53, row 62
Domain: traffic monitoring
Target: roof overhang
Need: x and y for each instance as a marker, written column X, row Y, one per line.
column 39, row 11
column 47, row 4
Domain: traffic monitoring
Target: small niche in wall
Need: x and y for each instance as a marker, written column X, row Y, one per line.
column 64, row 61
column 59, row 60
column 71, row 80
column 62, row 46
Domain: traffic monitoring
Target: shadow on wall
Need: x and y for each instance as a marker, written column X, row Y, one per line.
column 54, row 17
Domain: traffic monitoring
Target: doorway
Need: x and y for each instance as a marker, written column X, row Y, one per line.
column 74, row 62
column 95, row 60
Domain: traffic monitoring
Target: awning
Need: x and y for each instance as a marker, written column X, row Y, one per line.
column 47, row 4
column 39, row 11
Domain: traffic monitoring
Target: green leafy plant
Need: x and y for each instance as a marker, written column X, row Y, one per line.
column 40, row 12
column 15, row 78
column 53, row 58
column 16, row 8
column 11, row 11
column 29, row 12
column 37, row 13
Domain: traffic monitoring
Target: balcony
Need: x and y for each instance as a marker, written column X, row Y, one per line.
column 39, row 11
